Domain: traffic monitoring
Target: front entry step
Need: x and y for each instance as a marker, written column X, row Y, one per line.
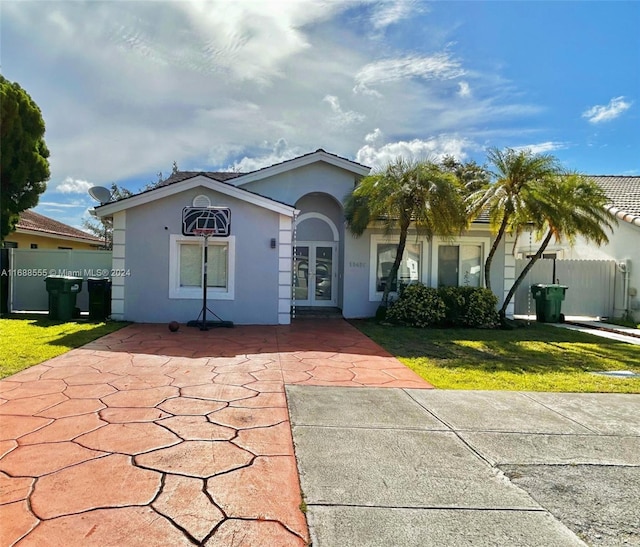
column 316, row 312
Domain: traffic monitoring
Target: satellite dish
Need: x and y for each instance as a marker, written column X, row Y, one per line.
column 101, row 194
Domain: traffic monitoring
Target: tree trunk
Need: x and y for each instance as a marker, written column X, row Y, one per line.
column 393, row 274
column 492, row 252
column 523, row 274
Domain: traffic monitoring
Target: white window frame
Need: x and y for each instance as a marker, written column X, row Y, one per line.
column 195, row 293
column 483, row 242
column 374, row 294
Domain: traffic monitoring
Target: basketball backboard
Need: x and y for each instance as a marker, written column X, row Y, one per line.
column 217, row 219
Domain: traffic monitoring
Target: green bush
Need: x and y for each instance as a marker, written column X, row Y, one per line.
column 417, row 306
column 420, row 306
column 469, row 307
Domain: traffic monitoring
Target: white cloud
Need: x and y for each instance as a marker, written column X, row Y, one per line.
column 464, row 89
column 65, row 205
column 440, row 66
column 605, row 113
column 268, row 155
column 342, row 117
column 391, row 11
column 73, row 186
column 377, row 156
column 542, row 147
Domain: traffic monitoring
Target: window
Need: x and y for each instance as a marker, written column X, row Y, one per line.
column 383, row 254
column 9, row 245
column 459, row 264
column 187, row 263
column 65, row 248
column 34, row 245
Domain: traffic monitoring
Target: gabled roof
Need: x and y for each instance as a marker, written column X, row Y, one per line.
column 624, row 196
column 35, row 223
column 189, row 181
column 222, row 176
column 230, row 183
column 301, row 161
column 243, row 178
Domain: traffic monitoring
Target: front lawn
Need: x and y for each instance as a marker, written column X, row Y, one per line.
column 533, row 358
column 27, row 341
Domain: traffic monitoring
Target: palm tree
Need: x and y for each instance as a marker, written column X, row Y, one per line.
column 564, row 207
column 508, row 198
column 407, row 193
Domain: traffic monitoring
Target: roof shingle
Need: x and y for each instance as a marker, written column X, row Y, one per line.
column 624, row 195
column 35, row 222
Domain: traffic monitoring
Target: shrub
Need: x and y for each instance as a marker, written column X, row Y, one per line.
column 417, row 306
column 469, row 307
column 420, row 306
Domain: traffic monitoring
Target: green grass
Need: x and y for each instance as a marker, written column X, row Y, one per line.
column 28, row 340
column 533, row 358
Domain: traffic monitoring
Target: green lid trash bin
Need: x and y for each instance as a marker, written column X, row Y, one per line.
column 62, row 296
column 99, row 298
column 549, row 302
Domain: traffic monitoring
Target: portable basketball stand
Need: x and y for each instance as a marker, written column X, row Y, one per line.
column 201, row 322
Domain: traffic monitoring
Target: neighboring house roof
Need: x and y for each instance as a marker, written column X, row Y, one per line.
column 623, row 194
column 35, row 223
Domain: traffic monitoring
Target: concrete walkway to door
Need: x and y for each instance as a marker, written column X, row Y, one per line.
column 147, row 437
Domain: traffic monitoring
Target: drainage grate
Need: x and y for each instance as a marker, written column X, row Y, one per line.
column 618, row 374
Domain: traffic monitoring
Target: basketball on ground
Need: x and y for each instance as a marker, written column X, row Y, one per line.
column 174, row 326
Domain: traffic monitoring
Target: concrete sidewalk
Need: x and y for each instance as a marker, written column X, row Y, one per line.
column 405, row 467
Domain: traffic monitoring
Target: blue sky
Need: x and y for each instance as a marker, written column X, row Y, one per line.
column 127, row 87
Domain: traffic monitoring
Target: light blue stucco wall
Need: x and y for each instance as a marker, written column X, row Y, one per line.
column 356, row 299
column 148, row 231
column 319, row 187
column 290, row 186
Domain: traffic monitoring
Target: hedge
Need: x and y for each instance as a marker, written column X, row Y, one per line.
column 421, row 306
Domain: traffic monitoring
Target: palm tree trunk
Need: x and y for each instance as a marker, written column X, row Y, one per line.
column 494, row 249
column 393, row 274
column 523, row 274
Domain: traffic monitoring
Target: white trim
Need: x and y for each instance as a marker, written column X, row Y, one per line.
column 195, row 293
column 285, row 265
column 374, row 294
column 483, row 242
column 302, row 161
column 195, row 182
column 118, row 262
column 320, row 216
column 335, row 269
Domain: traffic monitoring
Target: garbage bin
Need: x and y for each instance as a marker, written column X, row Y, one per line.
column 99, row 298
column 62, row 296
column 549, row 302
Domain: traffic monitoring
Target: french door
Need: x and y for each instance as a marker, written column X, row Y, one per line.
column 315, row 273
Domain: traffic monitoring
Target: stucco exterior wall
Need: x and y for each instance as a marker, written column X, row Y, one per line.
column 357, row 301
column 290, row 186
column 25, row 240
column 147, row 257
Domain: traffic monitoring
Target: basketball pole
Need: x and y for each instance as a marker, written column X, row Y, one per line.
column 204, row 283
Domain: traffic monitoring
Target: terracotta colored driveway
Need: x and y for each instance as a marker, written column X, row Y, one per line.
column 150, row 438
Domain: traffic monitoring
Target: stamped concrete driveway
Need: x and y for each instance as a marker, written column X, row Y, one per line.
column 150, row 438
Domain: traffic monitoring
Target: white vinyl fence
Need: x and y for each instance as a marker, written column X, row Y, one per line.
column 594, row 286
column 30, row 267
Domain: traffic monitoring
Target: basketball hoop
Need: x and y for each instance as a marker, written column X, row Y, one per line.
column 206, row 222
column 204, row 232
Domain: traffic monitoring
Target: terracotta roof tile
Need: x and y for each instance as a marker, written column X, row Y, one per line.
column 35, row 222
column 624, row 196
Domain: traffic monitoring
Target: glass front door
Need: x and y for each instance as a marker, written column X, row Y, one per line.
column 315, row 274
